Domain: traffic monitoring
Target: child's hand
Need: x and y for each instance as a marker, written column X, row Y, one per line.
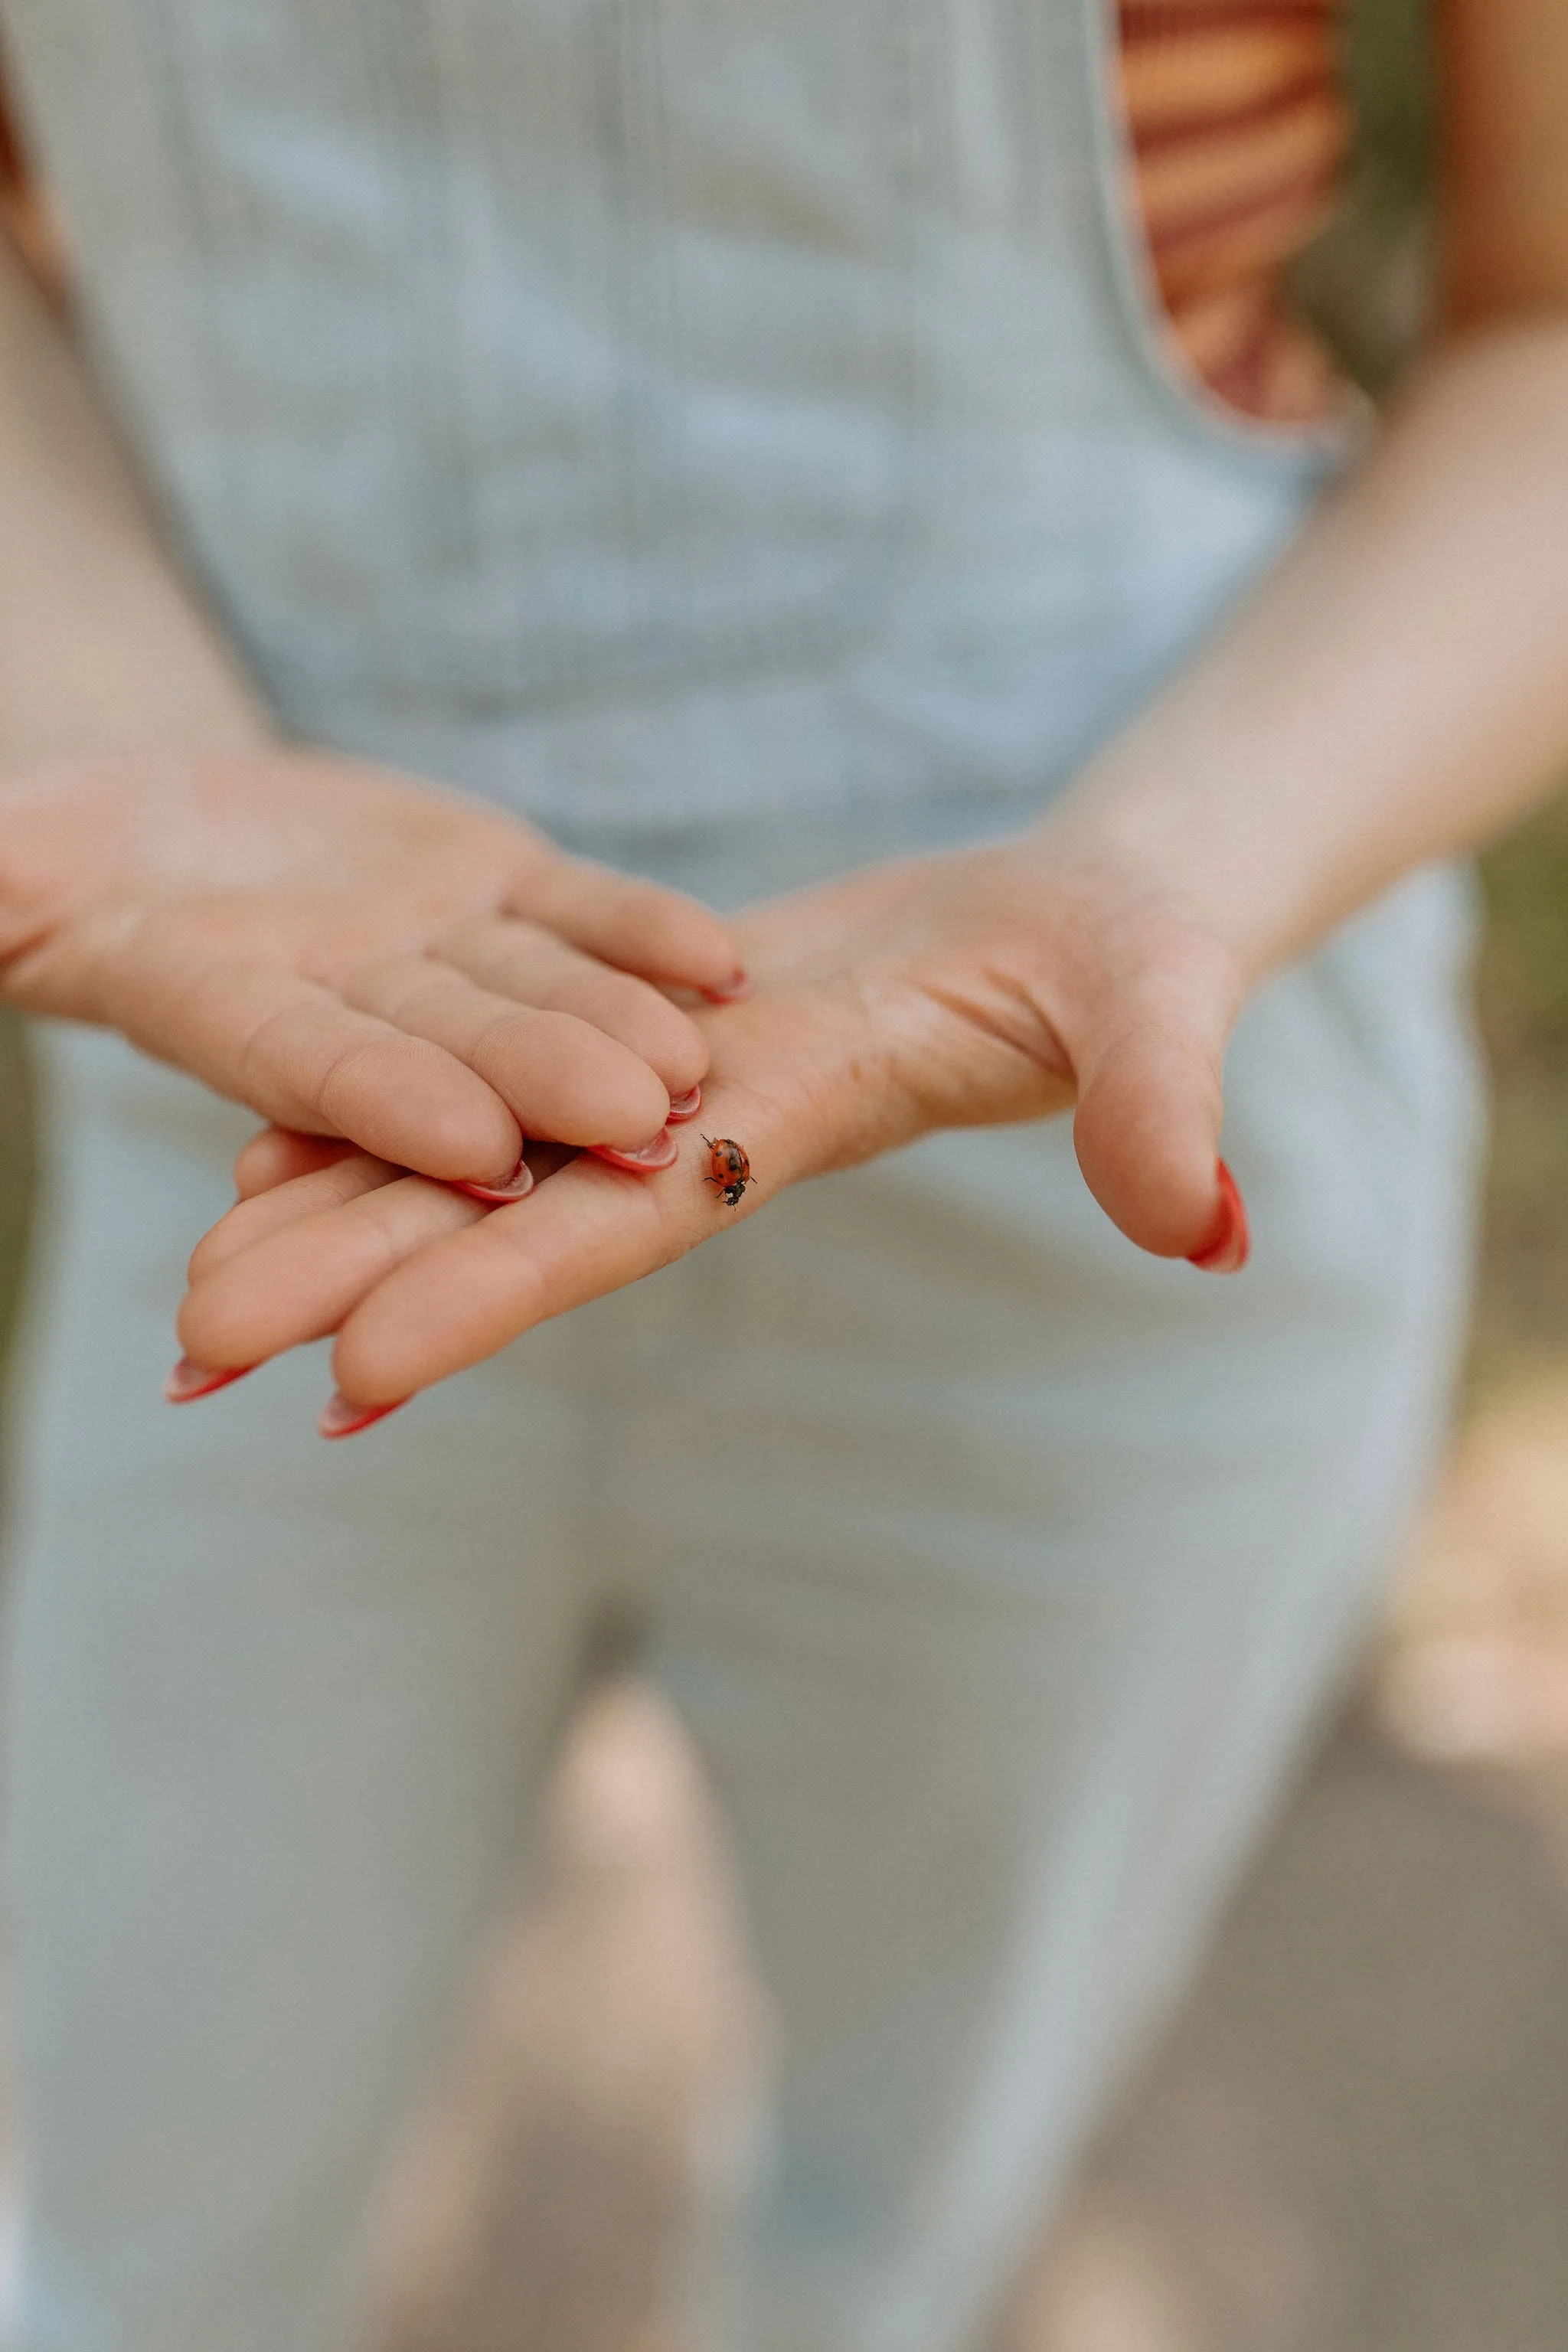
column 991, row 986
column 354, row 954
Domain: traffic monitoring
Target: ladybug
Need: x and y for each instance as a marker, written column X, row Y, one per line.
column 729, row 1170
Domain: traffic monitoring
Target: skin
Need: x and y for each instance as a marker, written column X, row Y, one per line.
column 276, row 920
column 354, row 955
column 1395, row 692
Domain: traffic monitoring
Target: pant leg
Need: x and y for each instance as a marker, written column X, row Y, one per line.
column 281, row 1709
column 998, row 1571
column 1089, row 1533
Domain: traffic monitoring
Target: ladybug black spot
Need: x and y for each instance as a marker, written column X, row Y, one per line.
column 729, row 1170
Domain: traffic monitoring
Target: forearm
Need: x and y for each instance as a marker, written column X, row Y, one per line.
column 103, row 647
column 1395, row 692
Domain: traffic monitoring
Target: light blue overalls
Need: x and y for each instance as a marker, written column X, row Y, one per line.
column 730, row 432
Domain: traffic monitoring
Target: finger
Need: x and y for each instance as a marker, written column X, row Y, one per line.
column 261, row 1034
column 534, row 966
column 588, row 1231
column 278, row 1154
column 330, row 1186
column 1151, row 1106
column 300, row 1280
column 636, row 925
column 561, row 1075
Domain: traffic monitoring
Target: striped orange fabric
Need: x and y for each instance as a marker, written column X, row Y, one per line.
column 1239, row 125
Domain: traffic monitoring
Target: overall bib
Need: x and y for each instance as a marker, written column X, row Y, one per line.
column 729, row 432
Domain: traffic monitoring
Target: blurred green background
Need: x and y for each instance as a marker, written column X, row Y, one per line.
column 1522, row 1304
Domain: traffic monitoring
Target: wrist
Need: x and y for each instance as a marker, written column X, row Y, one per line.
column 1216, row 864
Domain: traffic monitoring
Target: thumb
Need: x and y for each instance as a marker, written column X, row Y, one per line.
column 1151, row 1104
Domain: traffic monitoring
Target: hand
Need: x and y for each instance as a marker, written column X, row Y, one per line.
column 995, row 985
column 354, row 954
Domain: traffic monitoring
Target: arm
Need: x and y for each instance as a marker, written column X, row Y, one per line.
column 103, row 647
column 271, row 920
column 1396, row 691
column 1399, row 691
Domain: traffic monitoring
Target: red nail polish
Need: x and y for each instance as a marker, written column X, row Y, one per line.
column 518, row 1187
column 1228, row 1244
column 685, row 1107
column 341, row 1419
column 188, row 1382
column 662, row 1152
column 731, row 991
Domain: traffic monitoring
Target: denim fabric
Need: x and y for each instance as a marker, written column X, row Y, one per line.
column 642, row 409
column 997, row 1569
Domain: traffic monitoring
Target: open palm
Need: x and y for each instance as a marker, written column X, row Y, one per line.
column 966, row 989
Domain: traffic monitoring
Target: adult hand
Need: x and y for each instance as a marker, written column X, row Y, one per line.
column 354, row 954
column 967, row 989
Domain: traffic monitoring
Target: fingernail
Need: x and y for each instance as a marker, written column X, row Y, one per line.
column 729, row 991
column 662, row 1152
column 685, row 1107
column 188, row 1382
column 518, row 1187
column 1225, row 1251
column 341, row 1419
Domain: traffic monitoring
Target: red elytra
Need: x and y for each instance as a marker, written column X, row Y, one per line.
column 729, row 1170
